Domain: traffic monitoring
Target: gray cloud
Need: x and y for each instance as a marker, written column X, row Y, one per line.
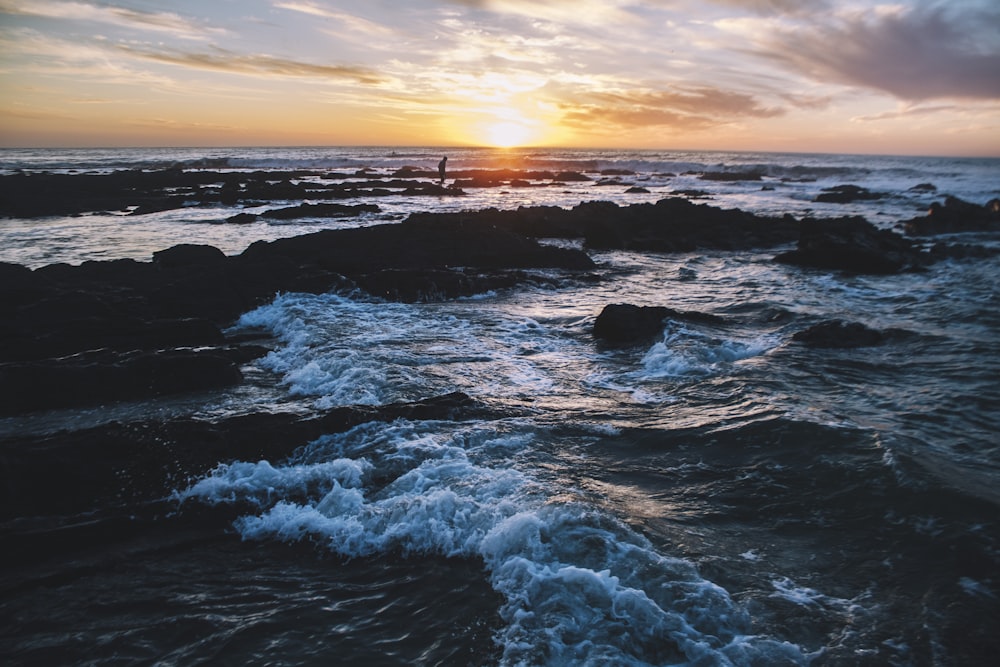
column 776, row 6
column 914, row 55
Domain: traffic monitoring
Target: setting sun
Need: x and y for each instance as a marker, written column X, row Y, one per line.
column 508, row 134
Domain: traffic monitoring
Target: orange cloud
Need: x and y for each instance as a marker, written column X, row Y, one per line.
column 681, row 108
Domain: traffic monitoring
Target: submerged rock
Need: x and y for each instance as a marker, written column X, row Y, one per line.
column 839, row 334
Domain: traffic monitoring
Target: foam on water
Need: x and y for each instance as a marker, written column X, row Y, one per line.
column 343, row 351
column 579, row 587
column 686, row 352
column 349, row 349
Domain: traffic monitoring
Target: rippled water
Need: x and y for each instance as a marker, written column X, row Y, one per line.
column 720, row 494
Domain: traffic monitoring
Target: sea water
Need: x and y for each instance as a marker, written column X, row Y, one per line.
column 719, row 495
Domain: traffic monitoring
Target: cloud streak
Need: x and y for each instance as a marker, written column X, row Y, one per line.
column 167, row 22
column 221, row 60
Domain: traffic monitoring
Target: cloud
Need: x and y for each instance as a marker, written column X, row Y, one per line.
column 769, row 7
column 254, row 64
column 906, row 113
column 574, row 12
column 36, row 54
column 680, row 108
column 34, row 114
column 120, row 16
column 306, row 8
column 914, row 54
column 175, row 125
column 347, row 24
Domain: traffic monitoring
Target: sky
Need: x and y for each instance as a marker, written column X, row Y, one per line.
column 916, row 77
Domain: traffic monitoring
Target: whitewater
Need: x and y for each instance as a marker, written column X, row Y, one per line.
column 719, row 495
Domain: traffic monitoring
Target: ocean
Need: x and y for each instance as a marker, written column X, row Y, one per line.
column 720, row 495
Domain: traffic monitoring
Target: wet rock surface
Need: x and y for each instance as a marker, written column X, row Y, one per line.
column 841, row 334
column 955, row 215
column 623, row 323
column 845, row 194
column 55, row 481
column 669, row 225
column 854, row 245
column 80, row 335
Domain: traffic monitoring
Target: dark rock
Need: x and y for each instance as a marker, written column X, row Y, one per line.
column 320, row 211
column 844, row 194
column 124, row 464
column 242, row 218
column 140, row 192
column 730, row 176
column 617, row 172
column 669, row 225
column 942, row 251
column 569, row 176
column 854, row 245
column 955, row 215
column 409, row 171
column 624, row 323
column 692, row 194
column 923, row 187
column 92, row 378
column 419, row 243
column 46, row 332
column 410, row 286
column 187, row 255
column 839, row 334
column 636, row 189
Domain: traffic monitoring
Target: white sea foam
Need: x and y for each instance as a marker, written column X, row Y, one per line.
column 684, row 352
column 340, row 350
column 579, row 586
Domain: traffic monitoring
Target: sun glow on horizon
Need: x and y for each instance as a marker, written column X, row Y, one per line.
column 508, row 134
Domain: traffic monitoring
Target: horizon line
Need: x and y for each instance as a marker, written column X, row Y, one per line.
column 499, row 149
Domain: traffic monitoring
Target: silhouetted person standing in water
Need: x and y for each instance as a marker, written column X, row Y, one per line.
column 441, row 166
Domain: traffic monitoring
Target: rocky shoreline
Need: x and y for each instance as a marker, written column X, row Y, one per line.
column 105, row 331
column 118, row 330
